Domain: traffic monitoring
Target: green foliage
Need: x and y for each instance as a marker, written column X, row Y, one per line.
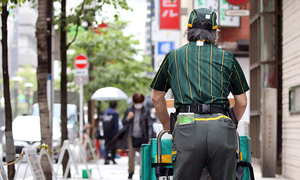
column 28, row 75
column 111, row 56
column 86, row 11
column 11, row 3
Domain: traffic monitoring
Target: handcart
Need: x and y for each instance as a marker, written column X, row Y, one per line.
column 156, row 163
column 156, row 159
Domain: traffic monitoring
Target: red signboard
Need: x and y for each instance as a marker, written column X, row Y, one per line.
column 169, row 14
column 81, row 61
column 237, row 2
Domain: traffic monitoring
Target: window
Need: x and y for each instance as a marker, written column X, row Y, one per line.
column 294, row 100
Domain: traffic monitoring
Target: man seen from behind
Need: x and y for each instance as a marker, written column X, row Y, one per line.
column 201, row 76
column 110, row 118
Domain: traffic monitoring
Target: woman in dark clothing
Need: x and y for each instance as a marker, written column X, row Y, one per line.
column 138, row 119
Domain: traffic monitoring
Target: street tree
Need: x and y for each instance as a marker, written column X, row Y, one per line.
column 42, row 71
column 10, row 157
column 85, row 11
column 113, row 57
column 10, row 148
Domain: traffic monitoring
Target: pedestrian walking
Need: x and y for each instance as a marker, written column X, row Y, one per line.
column 110, row 120
column 201, row 76
column 137, row 119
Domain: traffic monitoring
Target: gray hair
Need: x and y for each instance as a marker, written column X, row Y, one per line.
column 194, row 34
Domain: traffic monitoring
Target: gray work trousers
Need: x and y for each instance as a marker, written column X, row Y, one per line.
column 209, row 141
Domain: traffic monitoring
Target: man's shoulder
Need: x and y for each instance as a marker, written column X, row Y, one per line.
column 226, row 53
column 110, row 111
column 182, row 48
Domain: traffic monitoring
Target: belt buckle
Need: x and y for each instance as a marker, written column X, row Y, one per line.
column 204, row 109
column 188, row 108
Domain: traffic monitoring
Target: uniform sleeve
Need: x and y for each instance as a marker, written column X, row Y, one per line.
column 238, row 81
column 160, row 81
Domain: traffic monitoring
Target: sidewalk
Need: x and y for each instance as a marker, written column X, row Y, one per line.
column 119, row 171
column 258, row 175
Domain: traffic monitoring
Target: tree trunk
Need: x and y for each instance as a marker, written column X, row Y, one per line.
column 63, row 83
column 42, row 69
column 10, row 148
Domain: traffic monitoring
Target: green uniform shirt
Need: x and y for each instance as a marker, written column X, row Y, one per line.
column 200, row 72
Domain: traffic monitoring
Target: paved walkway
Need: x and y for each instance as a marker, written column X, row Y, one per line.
column 119, row 171
column 258, row 175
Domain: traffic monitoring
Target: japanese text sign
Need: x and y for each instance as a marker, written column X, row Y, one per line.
column 169, row 14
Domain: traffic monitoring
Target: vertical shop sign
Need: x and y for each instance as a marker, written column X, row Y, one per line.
column 169, row 14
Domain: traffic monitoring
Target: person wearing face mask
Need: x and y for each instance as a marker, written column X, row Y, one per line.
column 137, row 118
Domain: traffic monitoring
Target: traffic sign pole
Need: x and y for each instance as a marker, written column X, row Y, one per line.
column 81, row 109
column 81, row 71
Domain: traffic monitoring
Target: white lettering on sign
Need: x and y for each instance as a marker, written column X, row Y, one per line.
column 169, row 3
column 81, row 62
column 81, row 72
column 237, row 12
column 170, row 12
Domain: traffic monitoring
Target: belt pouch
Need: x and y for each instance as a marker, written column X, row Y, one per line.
column 232, row 116
column 173, row 119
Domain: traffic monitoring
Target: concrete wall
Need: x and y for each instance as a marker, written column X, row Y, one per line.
column 233, row 34
column 290, row 78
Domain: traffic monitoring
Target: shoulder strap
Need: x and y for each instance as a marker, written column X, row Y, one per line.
column 247, row 164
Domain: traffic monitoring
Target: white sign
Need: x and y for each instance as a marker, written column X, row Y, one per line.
column 81, row 61
column 220, row 6
column 81, row 72
column 44, row 152
column 237, row 12
column 2, row 171
column 160, row 51
column 211, row 4
column 34, row 163
column 85, row 80
column 66, row 147
column 228, row 21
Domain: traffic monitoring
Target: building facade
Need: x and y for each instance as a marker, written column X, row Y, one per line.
column 290, row 89
column 274, row 63
column 22, row 43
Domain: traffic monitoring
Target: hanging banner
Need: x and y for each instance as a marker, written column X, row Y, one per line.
column 169, row 14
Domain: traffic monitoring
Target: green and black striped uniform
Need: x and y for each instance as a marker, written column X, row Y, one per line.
column 200, row 73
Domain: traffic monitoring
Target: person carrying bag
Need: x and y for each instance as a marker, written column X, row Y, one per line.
column 138, row 119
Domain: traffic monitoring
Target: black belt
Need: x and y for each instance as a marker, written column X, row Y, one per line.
column 202, row 109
